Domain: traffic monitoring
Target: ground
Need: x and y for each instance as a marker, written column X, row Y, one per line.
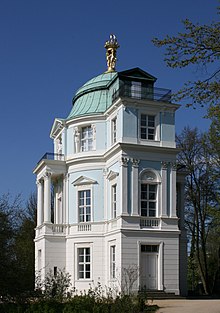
column 188, row 306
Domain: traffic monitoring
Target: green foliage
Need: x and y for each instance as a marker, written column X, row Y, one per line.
column 17, row 247
column 198, row 45
column 92, row 302
column 202, row 206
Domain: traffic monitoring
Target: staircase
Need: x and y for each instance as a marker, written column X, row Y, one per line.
column 161, row 295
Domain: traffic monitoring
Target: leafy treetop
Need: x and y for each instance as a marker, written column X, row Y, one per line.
column 198, row 45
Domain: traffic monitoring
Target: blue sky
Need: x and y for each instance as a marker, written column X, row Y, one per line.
column 49, row 48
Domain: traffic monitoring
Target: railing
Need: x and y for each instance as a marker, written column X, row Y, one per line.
column 58, row 228
column 149, row 222
column 84, row 227
column 155, row 94
column 52, row 156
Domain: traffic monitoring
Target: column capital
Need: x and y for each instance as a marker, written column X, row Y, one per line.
column 47, row 175
column 66, row 177
column 124, row 161
column 39, row 182
column 164, row 165
column 135, row 162
column 173, row 166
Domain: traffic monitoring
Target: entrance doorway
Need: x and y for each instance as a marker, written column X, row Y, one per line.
column 149, row 267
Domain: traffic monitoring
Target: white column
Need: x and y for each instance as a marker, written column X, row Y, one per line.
column 124, row 186
column 106, row 195
column 39, row 202
column 164, row 190
column 47, row 198
column 66, row 200
column 173, row 190
column 134, row 184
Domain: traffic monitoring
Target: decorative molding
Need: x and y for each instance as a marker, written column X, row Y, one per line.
column 112, row 175
column 124, row 161
column 173, row 166
column 66, row 177
column 164, row 165
column 93, row 126
column 83, row 180
column 38, row 182
column 135, row 162
column 47, row 175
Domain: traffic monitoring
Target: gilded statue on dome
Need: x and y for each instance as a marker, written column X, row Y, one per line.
column 111, row 49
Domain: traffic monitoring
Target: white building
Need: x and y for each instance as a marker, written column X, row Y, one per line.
column 118, row 196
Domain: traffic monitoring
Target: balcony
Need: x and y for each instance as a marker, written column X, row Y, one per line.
column 150, row 222
column 152, row 93
column 52, row 156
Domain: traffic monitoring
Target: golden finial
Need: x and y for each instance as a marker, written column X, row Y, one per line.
column 111, row 49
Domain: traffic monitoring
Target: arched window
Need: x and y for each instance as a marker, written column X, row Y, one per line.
column 148, row 194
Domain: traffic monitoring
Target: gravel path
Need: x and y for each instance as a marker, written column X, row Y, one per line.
column 188, row 306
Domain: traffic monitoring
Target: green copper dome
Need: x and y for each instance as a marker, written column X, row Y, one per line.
column 94, row 97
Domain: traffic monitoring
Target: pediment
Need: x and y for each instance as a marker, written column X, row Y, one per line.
column 112, row 175
column 83, row 180
column 137, row 73
column 56, row 128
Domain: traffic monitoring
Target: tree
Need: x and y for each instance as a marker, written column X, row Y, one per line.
column 55, row 285
column 202, row 205
column 24, row 246
column 199, row 45
column 8, row 224
column 17, row 225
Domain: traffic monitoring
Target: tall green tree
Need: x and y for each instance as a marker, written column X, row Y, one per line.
column 24, row 246
column 201, row 205
column 9, row 209
column 197, row 45
column 17, row 223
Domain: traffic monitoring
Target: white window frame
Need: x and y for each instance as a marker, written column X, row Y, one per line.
column 114, row 200
column 150, row 130
column 149, row 177
column 84, row 206
column 84, row 183
column 113, row 181
column 114, row 130
column 86, row 139
column 84, row 263
column 113, row 261
column 148, row 200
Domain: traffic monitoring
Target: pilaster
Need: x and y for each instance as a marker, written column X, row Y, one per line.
column 134, row 186
column 164, row 189
column 173, row 190
column 39, row 202
column 124, row 185
column 47, row 197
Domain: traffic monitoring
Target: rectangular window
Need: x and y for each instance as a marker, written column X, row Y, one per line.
column 147, row 127
column 87, row 138
column 136, row 90
column 114, row 130
column 84, row 263
column 114, row 201
column 84, row 205
column 149, row 248
column 148, row 200
column 112, row 262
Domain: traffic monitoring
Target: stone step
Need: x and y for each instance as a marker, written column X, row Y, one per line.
column 151, row 295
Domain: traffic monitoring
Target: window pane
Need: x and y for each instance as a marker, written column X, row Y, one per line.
column 143, row 212
column 152, row 213
column 152, row 205
column 87, row 251
column 87, row 274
